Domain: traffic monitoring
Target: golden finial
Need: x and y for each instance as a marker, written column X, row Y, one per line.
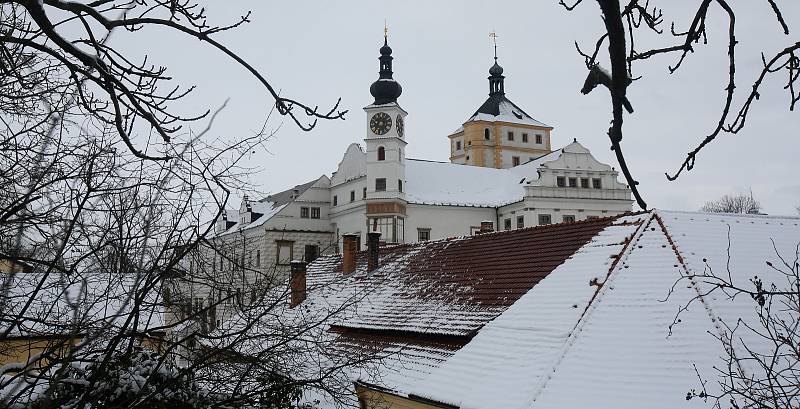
column 385, row 30
column 493, row 35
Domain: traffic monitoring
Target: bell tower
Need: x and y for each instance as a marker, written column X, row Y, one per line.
column 385, row 141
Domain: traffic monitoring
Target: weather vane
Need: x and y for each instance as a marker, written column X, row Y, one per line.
column 493, row 35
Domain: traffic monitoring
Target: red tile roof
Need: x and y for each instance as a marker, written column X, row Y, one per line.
column 454, row 286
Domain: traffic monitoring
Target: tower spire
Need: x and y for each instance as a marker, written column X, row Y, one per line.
column 493, row 35
column 385, row 90
column 496, row 77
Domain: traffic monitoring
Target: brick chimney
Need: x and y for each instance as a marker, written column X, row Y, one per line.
column 350, row 244
column 297, row 283
column 373, row 244
column 487, row 226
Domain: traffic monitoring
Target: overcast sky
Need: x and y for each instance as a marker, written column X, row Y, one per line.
column 317, row 52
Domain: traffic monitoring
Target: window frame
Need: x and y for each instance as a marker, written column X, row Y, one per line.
column 507, row 223
column 381, row 153
column 380, row 184
column 352, row 196
column 572, row 182
column 278, row 245
column 510, row 136
column 316, row 212
column 335, row 200
column 568, row 218
column 400, row 185
column 521, row 221
column 524, row 137
column 586, row 184
column 306, row 252
column 561, row 181
column 423, row 231
column 545, row 219
column 597, row 183
column 304, row 212
column 539, row 139
column 515, row 161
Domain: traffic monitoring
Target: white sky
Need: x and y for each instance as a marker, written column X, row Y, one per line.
column 319, row 51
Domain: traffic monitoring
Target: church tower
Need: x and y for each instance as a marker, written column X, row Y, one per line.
column 499, row 134
column 385, row 141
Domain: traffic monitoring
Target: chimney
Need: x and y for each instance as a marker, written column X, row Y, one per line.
column 350, row 244
column 297, row 283
column 373, row 243
column 486, row 226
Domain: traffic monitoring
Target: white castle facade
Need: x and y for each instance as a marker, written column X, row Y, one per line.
column 502, row 169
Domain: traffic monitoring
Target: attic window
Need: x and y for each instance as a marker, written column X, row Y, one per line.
column 517, row 114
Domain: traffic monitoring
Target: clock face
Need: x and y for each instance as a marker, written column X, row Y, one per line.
column 400, row 125
column 380, row 123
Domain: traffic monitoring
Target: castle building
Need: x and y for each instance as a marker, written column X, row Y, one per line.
column 502, row 170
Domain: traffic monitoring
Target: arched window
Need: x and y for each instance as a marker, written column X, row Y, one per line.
column 486, row 134
column 381, row 153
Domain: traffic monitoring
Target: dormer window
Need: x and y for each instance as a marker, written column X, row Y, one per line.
column 381, row 153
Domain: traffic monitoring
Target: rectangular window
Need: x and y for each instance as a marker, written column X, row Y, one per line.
column 544, row 219
column 510, row 136
column 335, row 200
column 539, row 138
column 568, row 218
column 573, row 182
column 391, row 228
column 315, row 212
column 364, row 193
column 304, row 213
column 592, row 217
column 585, row 183
column 525, row 137
column 596, row 184
column 458, row 145
column 507, row 224
column 515, row 161
column 380, row 184
column 561, row 181
column 352, row 195
column 423, row 234
column 258, row 258
column 285, row 252
column 311, row 252
column 520, row 222
column 400, row 185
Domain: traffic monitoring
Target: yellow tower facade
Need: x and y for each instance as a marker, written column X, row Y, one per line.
column 499, row 134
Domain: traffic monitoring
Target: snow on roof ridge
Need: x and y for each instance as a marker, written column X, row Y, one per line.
column 736, row 215
column 592, row 305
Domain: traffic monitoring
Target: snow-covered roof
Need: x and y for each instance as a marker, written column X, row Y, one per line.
column 424, row 301
column 498, row 108
column 567, row 343
column 266, row 208
column 443, row 183
column 80, row 303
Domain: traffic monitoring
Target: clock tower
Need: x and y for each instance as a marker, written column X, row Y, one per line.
column 385, row 141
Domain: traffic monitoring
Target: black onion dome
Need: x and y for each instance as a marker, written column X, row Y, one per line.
column 496, row 69
column 385, row 90
column 386, row 50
